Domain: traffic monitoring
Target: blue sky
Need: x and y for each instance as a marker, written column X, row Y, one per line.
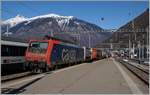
column 115, row 13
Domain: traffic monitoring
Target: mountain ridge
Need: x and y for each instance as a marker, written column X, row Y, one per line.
column 39, row 26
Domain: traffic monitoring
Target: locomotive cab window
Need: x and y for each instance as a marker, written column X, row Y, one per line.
column 38, row 47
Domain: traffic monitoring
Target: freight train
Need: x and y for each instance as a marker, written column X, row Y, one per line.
column 42, row 55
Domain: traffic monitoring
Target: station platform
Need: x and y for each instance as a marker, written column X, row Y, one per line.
column 100, row 77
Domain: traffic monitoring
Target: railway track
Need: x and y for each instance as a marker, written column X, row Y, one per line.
column 14, row 76
column 141, row 61
column 141, row 73
column 8, row 87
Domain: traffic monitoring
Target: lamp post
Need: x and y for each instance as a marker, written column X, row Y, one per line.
column 89, row 40
column 133, row 42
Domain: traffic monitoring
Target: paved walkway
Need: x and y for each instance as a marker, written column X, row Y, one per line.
column 100, row 77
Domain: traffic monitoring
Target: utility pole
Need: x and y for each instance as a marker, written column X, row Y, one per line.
column 143, row 43
column 129, row 46
column 147, row 42
column 52, row 35
column 133, row 30
column 111, row 46
column 89, row 41
column 7, row 31
column 139, row 46
column 79, row 38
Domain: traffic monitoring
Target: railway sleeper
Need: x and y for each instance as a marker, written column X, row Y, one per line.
column 137, row 71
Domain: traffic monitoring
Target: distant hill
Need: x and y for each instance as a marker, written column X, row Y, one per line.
column 141, row 24
column 141, row 21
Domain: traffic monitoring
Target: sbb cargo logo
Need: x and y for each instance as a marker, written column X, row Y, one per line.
column 68, row 55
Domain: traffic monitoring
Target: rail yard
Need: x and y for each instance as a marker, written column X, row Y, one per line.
column 54, row 54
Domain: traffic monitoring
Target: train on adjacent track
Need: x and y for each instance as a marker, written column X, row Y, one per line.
column 12, row 56
column 43, row 55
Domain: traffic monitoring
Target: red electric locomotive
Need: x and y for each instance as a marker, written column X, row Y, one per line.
column 44, row 54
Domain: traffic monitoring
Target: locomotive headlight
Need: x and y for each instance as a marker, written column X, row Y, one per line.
column 42, row 59
column 28, row 58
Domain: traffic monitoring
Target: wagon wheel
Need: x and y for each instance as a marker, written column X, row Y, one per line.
column 69, row 64
column 46, row 69
column 52, row 68
column 39, row 70
column 56, row 67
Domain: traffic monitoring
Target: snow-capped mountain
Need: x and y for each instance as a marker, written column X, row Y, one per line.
column 50, row 24
column 14, row 21
column 18, row 19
